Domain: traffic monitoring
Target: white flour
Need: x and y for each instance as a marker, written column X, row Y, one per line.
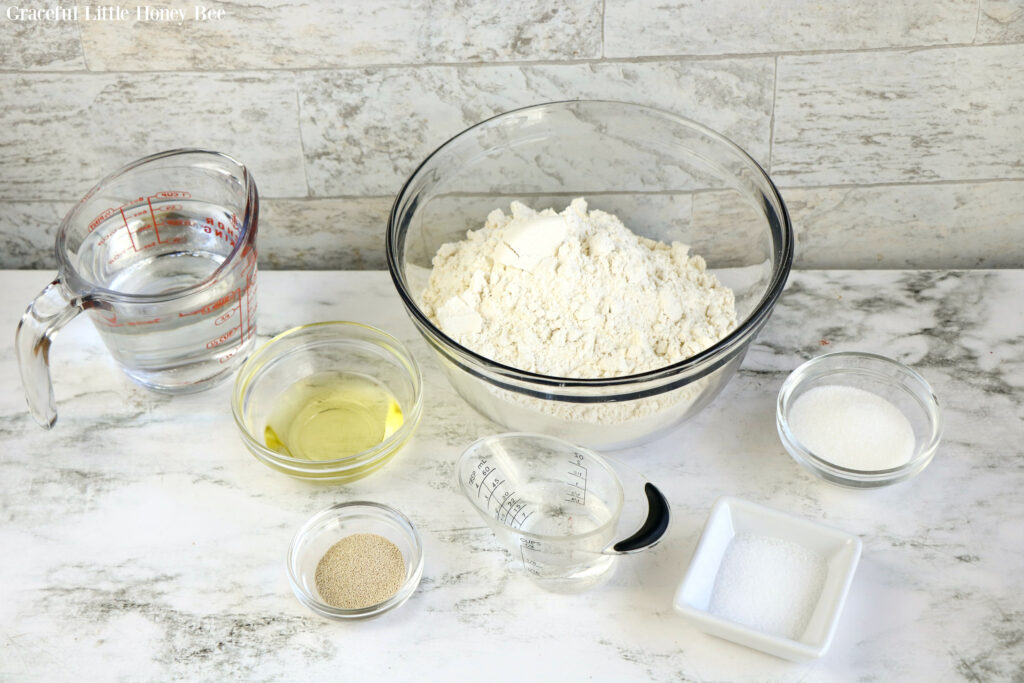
column 575, row 294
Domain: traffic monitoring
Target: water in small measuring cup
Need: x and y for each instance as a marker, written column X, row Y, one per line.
column 564, row 518
column 555, row 500
column 556, row 507
column 562, row 539
column 160, row 248
column 556, row 524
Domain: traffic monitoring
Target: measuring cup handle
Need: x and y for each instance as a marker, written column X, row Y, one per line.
column 653, row 528
column 50, row 311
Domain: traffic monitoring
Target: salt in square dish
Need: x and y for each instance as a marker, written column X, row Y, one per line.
column 732, row 516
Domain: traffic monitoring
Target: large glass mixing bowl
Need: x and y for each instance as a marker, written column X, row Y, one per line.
column 668, row 179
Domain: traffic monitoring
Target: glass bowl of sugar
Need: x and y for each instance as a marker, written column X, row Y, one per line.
column 859, row 419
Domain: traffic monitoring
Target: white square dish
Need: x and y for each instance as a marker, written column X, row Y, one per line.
column 732, row 516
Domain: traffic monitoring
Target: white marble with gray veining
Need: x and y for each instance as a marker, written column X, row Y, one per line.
column 141, row 540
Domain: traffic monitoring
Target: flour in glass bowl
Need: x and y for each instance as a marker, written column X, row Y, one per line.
column 575, row 294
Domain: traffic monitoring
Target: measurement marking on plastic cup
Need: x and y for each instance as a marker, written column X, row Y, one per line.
column 493, row 489
column 511, row 506
column 579, row 471
column 530, row 565
column 515, row 522
column 514, row 508
column 519, row 525
column 487, row 473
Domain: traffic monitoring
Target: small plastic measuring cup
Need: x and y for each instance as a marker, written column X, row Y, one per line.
column 557, row 507
column 162, row 256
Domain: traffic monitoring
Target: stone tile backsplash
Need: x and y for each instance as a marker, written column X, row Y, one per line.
column 894, row 131
column 640, row 28
column 318, row 34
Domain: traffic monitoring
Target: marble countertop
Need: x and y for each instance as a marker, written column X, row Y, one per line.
column 140, row 540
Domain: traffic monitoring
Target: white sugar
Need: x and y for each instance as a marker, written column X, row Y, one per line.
column 852, row 428
column 769, row 584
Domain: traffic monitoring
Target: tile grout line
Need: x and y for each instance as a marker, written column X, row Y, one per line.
column 771, row 120
column 977, row 25
column 922, row 183
column 682, row 58
column 780, row 185
column 81, row 45
column 604, row 6
column 302, row 144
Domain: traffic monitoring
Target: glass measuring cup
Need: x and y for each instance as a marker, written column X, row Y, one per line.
column 161, row 255
column 557, row 507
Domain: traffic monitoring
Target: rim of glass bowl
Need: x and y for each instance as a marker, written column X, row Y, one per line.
column 730, row 342
column 264, row 357
column 412, row 579
column 847, row 476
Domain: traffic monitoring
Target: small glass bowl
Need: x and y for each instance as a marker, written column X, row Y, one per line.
column 893, row 381
column 319, row 347
column 332, row 524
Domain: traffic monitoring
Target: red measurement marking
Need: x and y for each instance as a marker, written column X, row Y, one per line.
column 168, row 194
column 241, row 317
column 104, row 215
column 211, row 307
column 221, row 339
column 130, row 236
column 247, row 319
column 152, row 217
column 117, row 256
column 112, row 322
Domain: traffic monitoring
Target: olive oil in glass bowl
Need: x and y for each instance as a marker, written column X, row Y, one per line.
column 331, row 401
column 332, row 414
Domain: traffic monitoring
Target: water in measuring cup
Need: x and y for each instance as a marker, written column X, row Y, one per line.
column 572, row 560
column 554, row 514
column 166, row 273
column 163, row 248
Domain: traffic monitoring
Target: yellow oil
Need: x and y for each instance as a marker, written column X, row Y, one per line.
column 332, row 415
